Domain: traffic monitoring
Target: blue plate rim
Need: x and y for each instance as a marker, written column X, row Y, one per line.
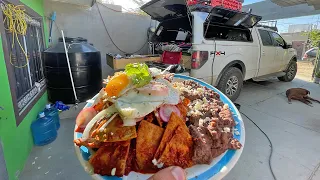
column 218, row 170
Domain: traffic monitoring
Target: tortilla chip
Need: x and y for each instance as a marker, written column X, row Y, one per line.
column 91, row 143
column 148, row 140
column 112, row 156
column 183, row 110
column 114, row 132
column 150, row 117
column 178, row 151
column 172, row 125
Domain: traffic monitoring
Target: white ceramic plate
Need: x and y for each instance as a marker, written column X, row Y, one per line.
column 219, row 167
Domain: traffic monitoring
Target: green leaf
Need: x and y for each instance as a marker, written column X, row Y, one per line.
column 139, row 74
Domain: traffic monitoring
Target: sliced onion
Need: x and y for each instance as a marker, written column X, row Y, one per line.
column 98, row 98
column 85, row 116
column 106, row 112
column 166, row 110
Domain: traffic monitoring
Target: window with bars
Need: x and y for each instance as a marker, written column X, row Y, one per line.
column 30, row 78
column 25, row 74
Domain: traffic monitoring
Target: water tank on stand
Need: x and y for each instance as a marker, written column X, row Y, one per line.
column 85, row 62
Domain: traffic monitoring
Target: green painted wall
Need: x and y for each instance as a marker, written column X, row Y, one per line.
column 17, row 141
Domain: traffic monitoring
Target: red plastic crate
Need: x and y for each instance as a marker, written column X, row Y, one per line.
column 171, row 57
column 228, row 4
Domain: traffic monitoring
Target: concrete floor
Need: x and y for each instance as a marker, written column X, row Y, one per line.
column 293, row 128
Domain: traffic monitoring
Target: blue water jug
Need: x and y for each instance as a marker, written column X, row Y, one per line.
column 44, row 130
column 54, row 113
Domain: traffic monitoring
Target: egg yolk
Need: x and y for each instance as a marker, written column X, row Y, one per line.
column 117, row 84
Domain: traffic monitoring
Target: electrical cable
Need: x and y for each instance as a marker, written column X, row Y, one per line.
column 113, row 9
column 15, row 22
column 105, row 26
column 271, row 145
column 214, row 57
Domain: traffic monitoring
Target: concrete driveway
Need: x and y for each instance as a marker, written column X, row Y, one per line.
column 293, row 128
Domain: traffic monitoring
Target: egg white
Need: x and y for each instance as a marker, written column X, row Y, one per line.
column 133, row 105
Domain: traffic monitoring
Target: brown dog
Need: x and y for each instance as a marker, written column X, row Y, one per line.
column 300, row 95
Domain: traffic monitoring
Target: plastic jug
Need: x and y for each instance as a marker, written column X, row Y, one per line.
column 54, row 113
column 44, row 130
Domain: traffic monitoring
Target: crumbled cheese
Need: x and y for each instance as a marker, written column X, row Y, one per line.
column 201, row 121
column 113, row 171
column 205, row 101
column 156, row 163
column 226, row 129
column 196, row 112
column 160, row 165
column 226, row 106
column 198, row 105
column 182, row 97
column 200, row 90
column 111, row 133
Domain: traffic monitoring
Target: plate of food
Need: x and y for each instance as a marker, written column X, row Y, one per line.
column 145, row 120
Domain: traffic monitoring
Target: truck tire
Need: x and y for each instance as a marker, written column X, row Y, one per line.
column 290, row 73
column 231, row 83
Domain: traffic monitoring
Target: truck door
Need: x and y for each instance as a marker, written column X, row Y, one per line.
column 281, row 52
column 268, row 52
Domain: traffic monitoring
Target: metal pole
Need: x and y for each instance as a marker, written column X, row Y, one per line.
column 316, row 71
column 70, row 73
column 39, row 51
column 28, row 65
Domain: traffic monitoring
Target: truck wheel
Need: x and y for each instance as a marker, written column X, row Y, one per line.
column 231, row 83
column 290, row 73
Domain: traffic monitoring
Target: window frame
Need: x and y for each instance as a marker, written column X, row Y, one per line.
column 275, row 41
column 250, row 40
column 19, row 114
column 268, row 32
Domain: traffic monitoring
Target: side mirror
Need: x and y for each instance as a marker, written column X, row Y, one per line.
column 289, row 46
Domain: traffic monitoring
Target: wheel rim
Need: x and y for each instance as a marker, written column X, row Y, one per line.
column 232, row 86
column 291, row 72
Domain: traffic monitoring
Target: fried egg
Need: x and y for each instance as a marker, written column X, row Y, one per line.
column 118, row 85
column 139, row 102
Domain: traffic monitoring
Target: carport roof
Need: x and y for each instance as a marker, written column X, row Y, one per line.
column 281, row 9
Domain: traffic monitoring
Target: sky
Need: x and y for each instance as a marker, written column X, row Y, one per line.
column 283, row 24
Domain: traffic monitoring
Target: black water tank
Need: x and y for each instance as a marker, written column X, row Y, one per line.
column 85, row 62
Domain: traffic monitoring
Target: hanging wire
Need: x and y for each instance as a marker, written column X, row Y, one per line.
column 105, row 26
column 15, row 22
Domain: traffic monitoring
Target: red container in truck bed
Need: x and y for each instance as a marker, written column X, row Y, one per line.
column 228, row 4
column 171, row 57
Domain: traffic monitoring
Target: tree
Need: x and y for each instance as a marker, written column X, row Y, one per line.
column 314, row 37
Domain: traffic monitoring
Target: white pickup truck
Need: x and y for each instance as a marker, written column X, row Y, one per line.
column 227, row 46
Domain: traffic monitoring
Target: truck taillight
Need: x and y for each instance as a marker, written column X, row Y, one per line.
column 305, row 55
column 198, row 59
